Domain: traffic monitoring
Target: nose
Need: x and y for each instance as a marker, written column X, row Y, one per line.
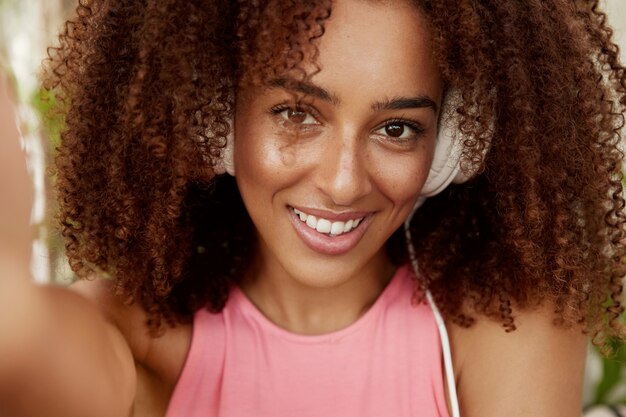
column 342, row 171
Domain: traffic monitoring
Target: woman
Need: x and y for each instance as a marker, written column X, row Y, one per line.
column 242, row 171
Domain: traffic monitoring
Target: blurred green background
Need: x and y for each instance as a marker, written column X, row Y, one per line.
column 27, row 27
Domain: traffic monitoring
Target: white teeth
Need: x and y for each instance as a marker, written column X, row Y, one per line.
column 336, row 228
column 311, row 221
column 303, row 216
column 323, row 226
column 326, row 226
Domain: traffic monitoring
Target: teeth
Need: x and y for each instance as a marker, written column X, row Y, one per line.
column 303, row 216
column 337, row 228
column 326, row 226
column 323, row 226
column 311, row 221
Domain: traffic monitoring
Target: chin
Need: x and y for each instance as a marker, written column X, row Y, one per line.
column 324, row 271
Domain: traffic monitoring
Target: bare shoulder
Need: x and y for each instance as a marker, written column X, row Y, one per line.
column 163, row 354
column 128, row 318
column 536, row 370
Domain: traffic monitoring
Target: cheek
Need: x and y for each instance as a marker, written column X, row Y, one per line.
column 266, row 158
column 263, row 162
column 401, row 177
column 258, row 161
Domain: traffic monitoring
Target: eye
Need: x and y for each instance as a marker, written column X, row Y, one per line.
column 295, row 116
column 400, row 130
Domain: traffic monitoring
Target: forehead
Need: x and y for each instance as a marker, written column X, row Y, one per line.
column 368, row 33
column 381, row 47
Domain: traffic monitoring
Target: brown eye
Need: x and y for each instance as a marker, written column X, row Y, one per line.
column 400, row 130
column 296, row 116
column 394, row 130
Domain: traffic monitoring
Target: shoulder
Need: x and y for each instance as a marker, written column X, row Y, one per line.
column 128, row 319
column 497, row 372
column 163, row 354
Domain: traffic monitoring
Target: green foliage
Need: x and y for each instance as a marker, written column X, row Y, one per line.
column 612, row 377
column 45, row 104
column 611, row 389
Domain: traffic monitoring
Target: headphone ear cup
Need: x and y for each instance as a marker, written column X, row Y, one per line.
column 228, row 155
column 446, row 165
column 226, row 163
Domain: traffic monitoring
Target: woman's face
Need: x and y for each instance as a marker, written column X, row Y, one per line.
column 328, row 180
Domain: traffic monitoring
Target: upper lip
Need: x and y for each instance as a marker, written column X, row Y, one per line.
column 334, row 216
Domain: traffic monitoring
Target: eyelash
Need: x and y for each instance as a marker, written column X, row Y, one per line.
column 278, row 109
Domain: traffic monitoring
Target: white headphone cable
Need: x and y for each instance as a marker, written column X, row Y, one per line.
column 443, row 333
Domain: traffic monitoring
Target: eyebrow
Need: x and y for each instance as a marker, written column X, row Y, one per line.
column 396, row 103
column 306, row 88
column 400, row 103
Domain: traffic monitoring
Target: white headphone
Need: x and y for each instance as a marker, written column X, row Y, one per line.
column 445, row 168
column 446, row 165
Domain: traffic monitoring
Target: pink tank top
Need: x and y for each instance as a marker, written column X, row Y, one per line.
column 387, row 363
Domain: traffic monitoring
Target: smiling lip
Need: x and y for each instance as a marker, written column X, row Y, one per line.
column 323, row 243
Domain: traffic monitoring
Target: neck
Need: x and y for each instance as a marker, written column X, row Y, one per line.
column 299, row 307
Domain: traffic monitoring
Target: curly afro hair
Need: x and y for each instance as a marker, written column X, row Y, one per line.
column 148, row 88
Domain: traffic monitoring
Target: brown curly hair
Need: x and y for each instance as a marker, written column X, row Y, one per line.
column 149, row 87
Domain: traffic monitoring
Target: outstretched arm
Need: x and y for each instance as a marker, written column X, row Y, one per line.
column 58, row 356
